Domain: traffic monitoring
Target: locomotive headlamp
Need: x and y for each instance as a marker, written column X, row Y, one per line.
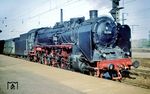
column 107, row 31
column 108, row 28
column 127, row 53
column 104, row 55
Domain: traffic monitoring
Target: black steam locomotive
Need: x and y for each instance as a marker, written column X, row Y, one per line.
column 98, row 46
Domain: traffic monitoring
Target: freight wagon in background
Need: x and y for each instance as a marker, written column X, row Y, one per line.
column 21, row 45
column 9, row 47
column 16, row 46
column 2, row 42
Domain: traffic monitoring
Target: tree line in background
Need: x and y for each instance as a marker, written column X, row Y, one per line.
column 141, row 43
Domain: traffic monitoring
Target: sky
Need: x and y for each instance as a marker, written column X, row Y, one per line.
column 20, row 16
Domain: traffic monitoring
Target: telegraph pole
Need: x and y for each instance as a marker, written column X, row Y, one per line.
column 149, row 39
column 133, row 26
column 123, row 3
column 4, row 21
column 123, row 17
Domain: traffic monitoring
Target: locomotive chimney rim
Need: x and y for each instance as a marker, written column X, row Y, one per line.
column 93, row 14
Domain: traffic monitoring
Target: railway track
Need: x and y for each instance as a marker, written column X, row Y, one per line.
column 142, row 78
column 142, row 74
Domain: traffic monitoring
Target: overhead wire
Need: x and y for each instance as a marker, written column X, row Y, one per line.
column 52, row 9
column 29, row 10
column 24, row 18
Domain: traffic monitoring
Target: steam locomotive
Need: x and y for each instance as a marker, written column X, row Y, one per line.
column 98, row 46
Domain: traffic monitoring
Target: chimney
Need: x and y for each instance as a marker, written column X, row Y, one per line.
column 61, row 15
column 93, row 14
